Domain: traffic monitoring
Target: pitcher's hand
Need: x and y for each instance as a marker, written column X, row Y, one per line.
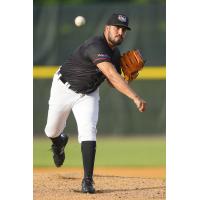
column 140, row 103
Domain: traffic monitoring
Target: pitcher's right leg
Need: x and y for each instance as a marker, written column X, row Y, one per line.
column 59, row 109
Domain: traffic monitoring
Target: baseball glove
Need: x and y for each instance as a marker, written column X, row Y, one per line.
column 131, row 63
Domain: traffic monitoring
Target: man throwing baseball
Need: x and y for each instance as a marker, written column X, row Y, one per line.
column 75, row 88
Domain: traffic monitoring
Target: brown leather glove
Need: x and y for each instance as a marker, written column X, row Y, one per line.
column 131, row 63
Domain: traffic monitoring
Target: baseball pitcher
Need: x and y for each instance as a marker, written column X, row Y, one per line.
column 75, row 88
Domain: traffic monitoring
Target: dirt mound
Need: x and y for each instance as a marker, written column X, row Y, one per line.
column 64, row 184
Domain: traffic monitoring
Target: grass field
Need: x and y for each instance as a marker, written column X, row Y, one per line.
column 111, row 151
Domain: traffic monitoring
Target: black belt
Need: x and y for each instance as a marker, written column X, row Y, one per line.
column 64, row 81
column 61, row 78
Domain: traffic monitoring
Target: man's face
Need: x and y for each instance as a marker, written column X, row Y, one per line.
column 116, row 34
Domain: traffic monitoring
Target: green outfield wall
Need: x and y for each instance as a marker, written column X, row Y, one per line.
column 55, row 36
column 118, row 115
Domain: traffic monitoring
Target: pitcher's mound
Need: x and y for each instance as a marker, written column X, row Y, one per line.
column 65, row 184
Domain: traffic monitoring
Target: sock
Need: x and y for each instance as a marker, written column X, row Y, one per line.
column 88, row 149
column 57, row 140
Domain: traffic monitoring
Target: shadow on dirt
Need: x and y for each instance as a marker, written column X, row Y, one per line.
column 68, row 177
column 112, row 176
column 121, row 190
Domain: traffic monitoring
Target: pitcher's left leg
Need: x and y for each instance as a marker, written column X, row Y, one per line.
column 86, row 111
column 86, row 114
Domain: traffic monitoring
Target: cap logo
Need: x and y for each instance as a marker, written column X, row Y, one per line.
column 121, row 18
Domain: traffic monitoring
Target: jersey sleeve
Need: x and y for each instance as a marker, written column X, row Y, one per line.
column 97, row 54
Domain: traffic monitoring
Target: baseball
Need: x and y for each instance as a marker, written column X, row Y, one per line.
column 79, row 21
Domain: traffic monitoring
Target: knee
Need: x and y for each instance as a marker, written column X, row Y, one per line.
column 51, row 132
column 87, row 133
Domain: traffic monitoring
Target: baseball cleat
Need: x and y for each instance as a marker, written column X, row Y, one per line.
column 58, row 151
column 87, row 186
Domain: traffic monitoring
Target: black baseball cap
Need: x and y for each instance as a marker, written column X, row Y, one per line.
column 118, row 20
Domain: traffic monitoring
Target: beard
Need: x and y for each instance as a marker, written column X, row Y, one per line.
column 117, row 40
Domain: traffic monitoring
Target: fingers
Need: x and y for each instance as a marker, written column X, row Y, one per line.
column 140, row 103
column 142, row 106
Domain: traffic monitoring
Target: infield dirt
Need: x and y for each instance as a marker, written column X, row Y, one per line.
column 110, row 184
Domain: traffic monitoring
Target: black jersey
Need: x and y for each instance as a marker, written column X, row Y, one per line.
column 80, row 69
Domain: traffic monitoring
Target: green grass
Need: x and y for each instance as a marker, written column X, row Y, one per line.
column 111, row 151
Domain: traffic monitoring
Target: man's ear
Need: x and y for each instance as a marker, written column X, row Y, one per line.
column 106, row 27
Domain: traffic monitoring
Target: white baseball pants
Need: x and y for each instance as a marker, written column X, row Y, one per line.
column 84, row 107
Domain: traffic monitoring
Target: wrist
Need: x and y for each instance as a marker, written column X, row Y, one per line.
column 135, row 98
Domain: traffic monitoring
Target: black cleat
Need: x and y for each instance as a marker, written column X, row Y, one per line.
column 58, row 151
column 87, row 186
